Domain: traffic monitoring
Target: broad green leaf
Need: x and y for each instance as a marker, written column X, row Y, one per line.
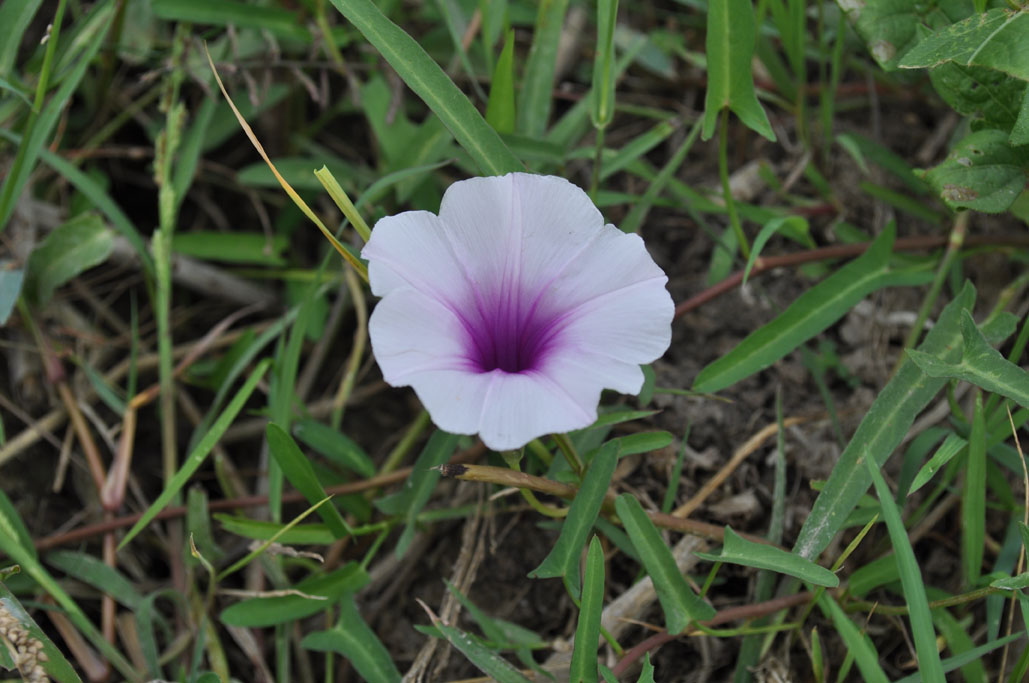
column 94, row 572
column 947, row 450
column 538, row 76
column 301, row 534
column 200, row 452
column 74, row 247
column 812, row 312
column 410, row 500
column 15, row 617
column 731, row 35
column 880, row 432
column 680, row 604
column 232, row 247
column 647, row 672
column 500, row 109
column 738, row 550
column 430, row 83
column 989, row 97
column 484, row 659
column 1020, row 130
column 326, row 590
column 980, row 364
column 501, row 633
column 10, row 288
column 857, row 644
column 335, row 446
column 644, row 442
column 602, row 96
column 982, row 172
column 299, row 472
column 354, row 640
column 563, row 558
column 892, row 27
column 273, row 19
column 587, row 632
column 996, row 39
column 922, row 629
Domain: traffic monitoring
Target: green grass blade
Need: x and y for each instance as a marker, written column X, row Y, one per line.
column 484, row 659
column 587, row 631
column 410, row 500
column 980, row 364
column 15, row 17
column 74, row 247
column 278, row 22
column 973, row 498
column 857, row 644
column 680, row 604
column 354, row 640
column 922, row 630
column 500, row 109
column 731, row 36
column 973, row 655
column 94, row 572
column 947, row 450
column 538, row 78
column 880, row 432
column 199, row 454
column 738, row 550
column 335, row 446
column 812, row 312
column 773, row 226
column 638, row 213
column 310, row 596
column 602, row 97
column 430, row 83
column 299, row 472
column 563, row 558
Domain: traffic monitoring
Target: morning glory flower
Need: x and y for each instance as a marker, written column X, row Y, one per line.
column 512, row 309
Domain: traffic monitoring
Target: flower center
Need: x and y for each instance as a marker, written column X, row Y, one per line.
column 505, row 339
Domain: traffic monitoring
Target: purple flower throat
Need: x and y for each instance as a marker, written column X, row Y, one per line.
column 505, row 336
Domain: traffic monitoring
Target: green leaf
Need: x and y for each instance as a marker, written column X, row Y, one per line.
column 731, row 36
column 486, row 660
column 973, row 498
column 602, row 96
column 15, row 17
column 12, row 525
column 856, row 643
column 680, row 604
column 410, row 500
column 74, row 247
column 643, row 442
column 880, row 432
column 335, row 446
column 647, row 672
column 95, row 573
column 738, row 550
column 200, row 452
column 430, row 83
column 54, row 664
column 538, row 76
column 781, row 223
column 500, row 109
column 982, row 172
column 812, row 312
column 922, row 629
column 277, row 21
column 892, row 27
column 974, row 655
column 10, row 288
column 980, row 364
column 328, row 589
column 947, row 450
column 584, row 650
column 232, row 247
column 298, row 470
column 1020, row 129
column 300, row 534
column 989, row 97
column 995, row 39
column 354, row 640
column 563, row 558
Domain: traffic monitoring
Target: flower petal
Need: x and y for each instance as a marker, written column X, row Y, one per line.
column 412, row 332
column 518, row 231
column 521, row 407
column 411, row 250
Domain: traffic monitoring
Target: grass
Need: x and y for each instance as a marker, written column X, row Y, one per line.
column 205, row 477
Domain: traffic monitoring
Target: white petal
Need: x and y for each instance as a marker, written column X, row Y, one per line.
column 521, row 407
column 454, row 398
column 518, row 231
column 412, row 332
column 583, row 373
column 411, row 250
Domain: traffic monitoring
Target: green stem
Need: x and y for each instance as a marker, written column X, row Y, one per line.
column 723, row 174
column 406, row 443
column 512, row 458
column 598, row 162
column 565, row 444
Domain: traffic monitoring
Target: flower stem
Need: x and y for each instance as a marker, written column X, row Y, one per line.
column 598, row 160
column 565, row 444
column 723, row 173
column 513, row 458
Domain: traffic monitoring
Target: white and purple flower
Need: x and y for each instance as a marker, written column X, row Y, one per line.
column 510, row 311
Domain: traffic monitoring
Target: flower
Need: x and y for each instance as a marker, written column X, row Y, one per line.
column 510, row 311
